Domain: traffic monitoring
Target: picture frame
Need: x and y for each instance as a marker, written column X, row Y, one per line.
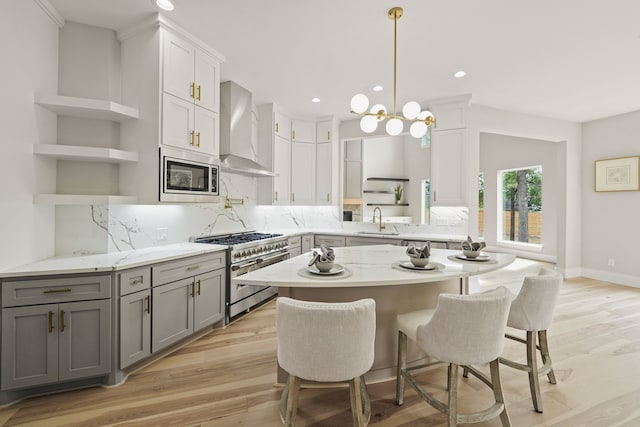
column 619, row 174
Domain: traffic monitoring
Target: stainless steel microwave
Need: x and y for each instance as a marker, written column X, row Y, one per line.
column 188, row 177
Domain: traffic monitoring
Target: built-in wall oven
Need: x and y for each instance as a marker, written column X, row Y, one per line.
column 246, row 252
column 188, row 177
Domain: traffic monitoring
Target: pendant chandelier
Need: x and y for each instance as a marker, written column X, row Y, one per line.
column 411, row 112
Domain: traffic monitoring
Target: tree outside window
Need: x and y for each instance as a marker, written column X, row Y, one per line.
column 521, row 205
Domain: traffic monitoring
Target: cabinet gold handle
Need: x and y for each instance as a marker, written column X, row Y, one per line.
column 276, row 196
column 276, row 127
column 193, row 135
column 136, row 281
column 198, row 139
column 327, row 197
column 193, row 289
column 328, row 135
column 56, row 291
column 50, row 321
column 193, row 89
column 293, row 134
column 293, row 197
column 61, row 320
column 198, row 287
column 198, row 97
column 193, row 267
column 434, row 196
column 148, row 298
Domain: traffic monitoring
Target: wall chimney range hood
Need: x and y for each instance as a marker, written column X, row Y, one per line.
column 236, row 152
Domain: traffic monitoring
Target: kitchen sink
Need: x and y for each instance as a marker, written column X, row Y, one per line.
column 380, row 233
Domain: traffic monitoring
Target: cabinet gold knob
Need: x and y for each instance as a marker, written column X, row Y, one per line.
column 193, row 89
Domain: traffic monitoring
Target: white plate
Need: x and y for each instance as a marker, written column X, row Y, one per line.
column 337, row 269
column 430, row 266
column 479, row 258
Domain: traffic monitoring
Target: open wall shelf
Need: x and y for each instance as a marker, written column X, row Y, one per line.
column 85, row 107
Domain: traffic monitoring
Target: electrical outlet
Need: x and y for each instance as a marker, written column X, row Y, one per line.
column 162, row 234
column 611, row 262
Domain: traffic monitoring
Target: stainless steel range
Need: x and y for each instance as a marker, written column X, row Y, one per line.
column 248, row 251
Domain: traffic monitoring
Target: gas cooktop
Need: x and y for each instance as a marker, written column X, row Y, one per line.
column 236, row 239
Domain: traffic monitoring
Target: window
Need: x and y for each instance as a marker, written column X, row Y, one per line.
column 520, row 205
column 426, row 188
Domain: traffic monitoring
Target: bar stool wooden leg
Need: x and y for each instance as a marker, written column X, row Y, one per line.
column 452, row 386
column 532, row 362
column 402, row 364
column 544, row 352
column 494, row 367
column 360, row 403
column 289, row 401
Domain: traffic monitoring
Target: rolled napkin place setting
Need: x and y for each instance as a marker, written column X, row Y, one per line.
column 323, row 259
column 472, row 249
column 419, row 257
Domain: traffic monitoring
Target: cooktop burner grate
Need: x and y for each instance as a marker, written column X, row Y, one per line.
column 236, row 239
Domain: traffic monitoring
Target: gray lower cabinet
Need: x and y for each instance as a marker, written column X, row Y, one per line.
column 364, row 241
column 182, row 307
column 294, row 246
column 44, row 344
column 135, row 327
column 329, row 240
column 307, row 243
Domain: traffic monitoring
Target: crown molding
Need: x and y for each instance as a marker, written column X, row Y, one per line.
column 51, row 12
column 158, row 20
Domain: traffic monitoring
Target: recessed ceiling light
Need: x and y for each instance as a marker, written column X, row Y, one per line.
column 315, row 100
column 377, row 88
column 164, row 4
column 459, row 74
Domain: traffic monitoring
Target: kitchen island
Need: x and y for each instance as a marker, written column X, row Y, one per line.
column 374, row 272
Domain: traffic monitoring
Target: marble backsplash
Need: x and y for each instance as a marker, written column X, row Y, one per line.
column 98, row 229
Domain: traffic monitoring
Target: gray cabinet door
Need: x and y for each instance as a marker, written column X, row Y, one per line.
column 84, row 334
column 209, row 299
column 135, row 327
column 172, row 306
column 29, row 346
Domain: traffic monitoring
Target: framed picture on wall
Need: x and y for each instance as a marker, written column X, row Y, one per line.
column 619, row 174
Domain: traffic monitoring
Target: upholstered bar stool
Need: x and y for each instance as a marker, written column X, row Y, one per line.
column 326, row 343
column 532, row 311
column 463, row 330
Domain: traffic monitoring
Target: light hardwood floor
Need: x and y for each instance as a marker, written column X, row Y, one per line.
column 227, row 377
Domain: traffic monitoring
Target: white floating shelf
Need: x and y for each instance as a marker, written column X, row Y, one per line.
column 85, row 107
column 83, row 199
column 82, row 153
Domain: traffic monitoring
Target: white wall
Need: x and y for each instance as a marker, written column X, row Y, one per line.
column 499, row 152
column 610, row 220
column 30, row 51
column 491, row 120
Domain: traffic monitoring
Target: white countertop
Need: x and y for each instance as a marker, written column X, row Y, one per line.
column 111, row 261
column 372, row 233
column 371, row 266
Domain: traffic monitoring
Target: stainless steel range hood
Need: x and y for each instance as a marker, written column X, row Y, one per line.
column 235, row 132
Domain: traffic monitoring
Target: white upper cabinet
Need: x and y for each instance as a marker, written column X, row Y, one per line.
column 323, row 131
column 282, row 166
column 303, row 131
column 193, row 77
column 190, row 73
column 303, row 173
column 448, row 175
column 323, row 173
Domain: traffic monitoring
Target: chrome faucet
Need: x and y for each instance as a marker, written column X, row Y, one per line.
column 374, row 217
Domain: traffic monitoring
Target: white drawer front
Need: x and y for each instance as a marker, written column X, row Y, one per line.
column 134, row 280
column 171, row 271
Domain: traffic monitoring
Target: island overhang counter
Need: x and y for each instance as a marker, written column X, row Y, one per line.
column 374, row 272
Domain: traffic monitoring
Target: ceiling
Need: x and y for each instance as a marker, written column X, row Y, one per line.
column 576, row 60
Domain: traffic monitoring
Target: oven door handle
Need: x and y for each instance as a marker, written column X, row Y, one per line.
column 238, row 267
column 276, row 256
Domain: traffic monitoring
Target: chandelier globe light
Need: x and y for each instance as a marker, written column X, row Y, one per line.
column 411, row 112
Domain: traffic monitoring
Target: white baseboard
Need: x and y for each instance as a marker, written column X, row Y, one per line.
column 568, row 273
column 608, row 276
